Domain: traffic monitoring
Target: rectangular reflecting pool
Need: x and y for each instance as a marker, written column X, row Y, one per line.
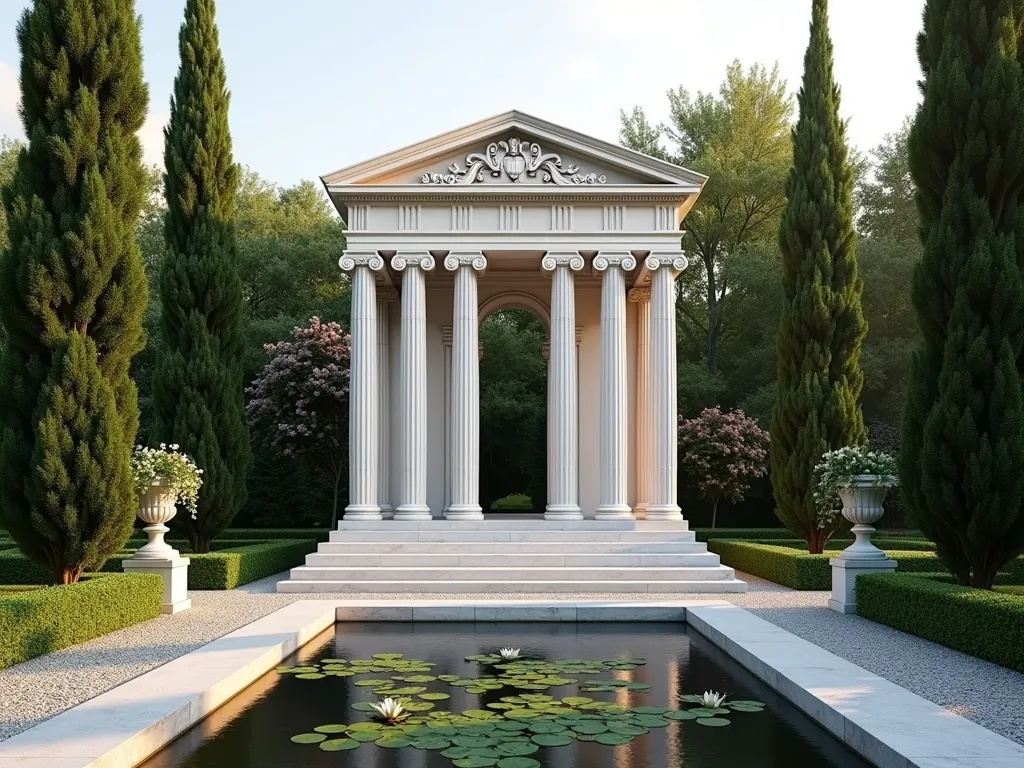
column 615, row 695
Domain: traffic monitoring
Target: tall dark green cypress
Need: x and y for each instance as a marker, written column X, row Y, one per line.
column 817, row 406
column 72, row 287
column 962, row 453
column 197, row 389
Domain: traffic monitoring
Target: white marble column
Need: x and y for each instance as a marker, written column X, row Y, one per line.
column 563, row 404
column 446, row 340
column 664, row 410
column 642, row 434
column 465, row 406
column 614, row 417
column 412, row 390
column 385, row 297
column 364, row 408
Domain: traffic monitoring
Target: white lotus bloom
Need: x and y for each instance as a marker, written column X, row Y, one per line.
column 390, row 710
column 712, row 700
column 509, row 653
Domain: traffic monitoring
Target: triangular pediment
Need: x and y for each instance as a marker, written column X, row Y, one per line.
column 515, row 150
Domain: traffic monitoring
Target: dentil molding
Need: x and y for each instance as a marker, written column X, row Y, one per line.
column 513, row 159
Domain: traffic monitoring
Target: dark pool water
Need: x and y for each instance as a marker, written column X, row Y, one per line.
column 254, row 730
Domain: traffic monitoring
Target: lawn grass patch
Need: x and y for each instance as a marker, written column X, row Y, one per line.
column 985, row 624
column 46, row 619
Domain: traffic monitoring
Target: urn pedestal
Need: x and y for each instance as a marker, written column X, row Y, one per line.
column 862, row 506
column 156, row 507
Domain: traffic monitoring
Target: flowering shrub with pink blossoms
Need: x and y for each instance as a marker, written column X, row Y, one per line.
column 720, row 453
column 298, row 404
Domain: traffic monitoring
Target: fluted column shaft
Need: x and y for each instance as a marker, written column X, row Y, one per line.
column 364, row 408
column 664, row 410
column 614, row 419
column 644, row 470
column 563, row 406
column 465, row 406
column 384, row 298
column 412, row 493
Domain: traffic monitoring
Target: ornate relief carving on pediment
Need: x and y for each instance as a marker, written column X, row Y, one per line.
column 513, row 160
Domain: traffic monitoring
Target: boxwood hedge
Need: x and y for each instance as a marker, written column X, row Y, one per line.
column 50, row 618
column 793, row 568
column 989, row 625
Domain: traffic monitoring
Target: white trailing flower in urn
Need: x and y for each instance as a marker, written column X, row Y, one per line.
column 163, row 478
column 861, row 479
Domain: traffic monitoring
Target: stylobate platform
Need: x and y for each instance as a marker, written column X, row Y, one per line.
column 513, row 557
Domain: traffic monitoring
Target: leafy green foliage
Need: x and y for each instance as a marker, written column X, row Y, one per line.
column 46, row 620
column 802, row 570
column 817, row 406
column 514, row 501
column 72, row 287
column 197, row 383
column 9, row 151
column 988, row 625
column 962, row 455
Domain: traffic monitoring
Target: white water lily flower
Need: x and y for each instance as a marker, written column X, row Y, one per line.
column 509, row 653
column 712, row 700
column 390, row 710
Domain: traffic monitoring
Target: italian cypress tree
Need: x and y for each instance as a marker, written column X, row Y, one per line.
column 198, row 395
column 72, row 287
column 817, row 405
column 962, row 451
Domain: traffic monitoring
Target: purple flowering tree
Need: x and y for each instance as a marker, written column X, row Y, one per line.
column 298, row 404
column 720, row 454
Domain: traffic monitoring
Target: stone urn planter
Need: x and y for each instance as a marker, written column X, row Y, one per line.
column 156, row 509
column 862, row 501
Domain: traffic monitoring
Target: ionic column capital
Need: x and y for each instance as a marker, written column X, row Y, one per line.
column 674, row 260
column 639, row 295
column 389, row 295
column 403, row 259
column 352, row 259
column 622, row 259
column 473, row 259
column 554, row 259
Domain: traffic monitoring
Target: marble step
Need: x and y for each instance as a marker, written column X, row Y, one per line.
column 532, row 524
column 717, row 586
column 512, row 560
column 552, row 536
column 512, row 547
column 524, row 574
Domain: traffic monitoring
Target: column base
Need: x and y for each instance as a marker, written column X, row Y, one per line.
column 664, row 512
column 464, row 512
column 386, row 511
column 640, row 511
column 412, row 512
column 562, row 512
column 362, row 512
column 844, row 579
column 614, row 512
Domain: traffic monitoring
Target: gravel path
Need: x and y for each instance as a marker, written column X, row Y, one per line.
column 985, row 693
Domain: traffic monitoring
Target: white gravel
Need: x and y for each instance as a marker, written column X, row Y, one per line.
column 43, row 687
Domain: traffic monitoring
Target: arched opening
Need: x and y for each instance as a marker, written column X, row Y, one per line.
column 513, row 409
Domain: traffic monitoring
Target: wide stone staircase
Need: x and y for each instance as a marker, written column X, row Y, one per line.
column 512, row 556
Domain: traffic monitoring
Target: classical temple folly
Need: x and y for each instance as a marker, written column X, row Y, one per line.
column 513, row 211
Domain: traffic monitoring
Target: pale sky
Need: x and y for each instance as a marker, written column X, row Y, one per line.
column 321, row 84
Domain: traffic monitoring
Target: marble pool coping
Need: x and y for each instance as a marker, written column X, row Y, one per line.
column 883, row 722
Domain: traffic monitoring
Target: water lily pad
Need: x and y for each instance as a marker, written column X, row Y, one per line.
column 714, row 722
column 308, row 738
column 613, row 739
column 651, row 710
column 518, row 762
column 434, row 696
column 407, row 691
column 552, row 739
column 510, row 725
column 362, row 706
column 338, row 745
column 575, row 701
column 474, row 762
column 737, row 707
column 365, row 727
column 331, row 728
column 546, row 726
column 627, row 729
column 311, row 676
column 473, row 741
column 431, row 743
column 589, row 727
column 708, row 712
column 475, row 690
column 454, row 753
column 517, row 748
column 479, row 714
column 387, row 656
column 448, row 678
column 418, row 706
column 394, row 742
column 680, row 714
column 375, row 683
column 650, row 721
column 364, row 736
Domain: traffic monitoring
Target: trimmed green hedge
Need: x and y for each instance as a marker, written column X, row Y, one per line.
column 989, row 625
column 801, row 570
column 50, row 618
column 837, row 545
column 234, row 566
